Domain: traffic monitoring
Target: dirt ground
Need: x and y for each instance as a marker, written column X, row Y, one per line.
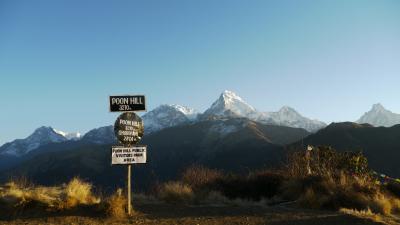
column 210, row 214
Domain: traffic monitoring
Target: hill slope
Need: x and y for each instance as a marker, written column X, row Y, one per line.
column 381, row 145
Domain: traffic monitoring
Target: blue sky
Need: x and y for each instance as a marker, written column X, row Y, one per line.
column 59, row 60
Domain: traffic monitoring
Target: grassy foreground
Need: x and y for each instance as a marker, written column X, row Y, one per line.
column 336, row 191
column 74, row 203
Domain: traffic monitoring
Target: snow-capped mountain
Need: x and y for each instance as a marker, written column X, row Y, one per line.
column 41, row 136
column 101, row 135
column 167, row 116
column 379, row 116
column 289, row 117
column 190, row 113
column 70, row 136
column 231, row 105
column 228, row 105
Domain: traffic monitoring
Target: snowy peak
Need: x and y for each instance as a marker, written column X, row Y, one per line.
column 287, row 111
column 378, row 107
column 167, row 116
column 379, row 116
column 289, row 117
column 230, row 104
column 70, row 136
column 190, row 113
column 41, row 136
column 229, row 97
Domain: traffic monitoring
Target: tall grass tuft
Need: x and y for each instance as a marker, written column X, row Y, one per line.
column 116, row 205
column 79, row 192
column 18, row 195
column 176, row 192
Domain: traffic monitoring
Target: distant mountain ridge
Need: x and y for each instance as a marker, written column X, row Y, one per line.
column 289, row 117
column 41, row 136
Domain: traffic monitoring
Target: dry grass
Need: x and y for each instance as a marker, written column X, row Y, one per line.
column 116, row 205
column 16, row 195
column 176, row 192
column 79, row 192
column 363, row 214
column 337, row 182
column 385, row 204
column 200, row 177
column 23, row 198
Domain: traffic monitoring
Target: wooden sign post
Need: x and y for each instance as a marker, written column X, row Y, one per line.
column 129, row 131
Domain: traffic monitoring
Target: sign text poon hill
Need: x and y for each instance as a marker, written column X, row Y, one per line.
column 128, row 103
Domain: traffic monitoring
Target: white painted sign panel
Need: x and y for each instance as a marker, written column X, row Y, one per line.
column 128, row 155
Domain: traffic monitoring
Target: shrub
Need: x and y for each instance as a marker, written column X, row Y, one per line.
column 255, row 186
column 200, row 177
column 325, row 161
column 20, row 182
column 338, row 180
column 394, row 188
column 176, row 192
column 116, row 205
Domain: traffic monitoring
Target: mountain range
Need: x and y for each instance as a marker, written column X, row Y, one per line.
column 234, row 144
column 228, row 105
column 41, row 136
column 230, row 135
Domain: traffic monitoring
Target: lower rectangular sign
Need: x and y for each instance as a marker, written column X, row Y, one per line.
column 128, row 155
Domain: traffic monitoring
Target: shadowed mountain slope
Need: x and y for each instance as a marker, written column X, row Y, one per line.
column 381, row 145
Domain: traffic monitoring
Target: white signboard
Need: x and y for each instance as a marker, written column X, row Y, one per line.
column 128, row 155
